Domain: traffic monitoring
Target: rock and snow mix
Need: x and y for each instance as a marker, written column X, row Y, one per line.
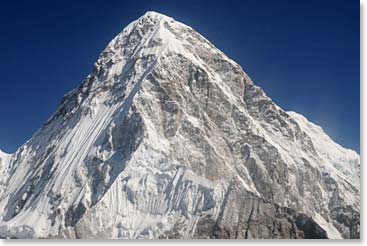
column 169, row 138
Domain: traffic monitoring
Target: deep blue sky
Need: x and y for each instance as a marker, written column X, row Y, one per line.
column 304, row 54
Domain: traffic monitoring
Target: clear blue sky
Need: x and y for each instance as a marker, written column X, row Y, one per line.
column 304, row 54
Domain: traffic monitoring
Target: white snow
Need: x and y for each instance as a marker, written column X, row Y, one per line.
column 341, row 160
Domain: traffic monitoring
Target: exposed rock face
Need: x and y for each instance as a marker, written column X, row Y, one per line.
column 169, row 138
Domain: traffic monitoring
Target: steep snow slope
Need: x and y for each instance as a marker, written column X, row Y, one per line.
column 4, row 158
column 169, row 138
column 346, row 161
column 4, row 164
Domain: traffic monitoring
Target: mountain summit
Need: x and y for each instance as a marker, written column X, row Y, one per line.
column 169, row 138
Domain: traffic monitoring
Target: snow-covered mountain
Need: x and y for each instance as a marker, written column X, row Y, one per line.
column 169, row 138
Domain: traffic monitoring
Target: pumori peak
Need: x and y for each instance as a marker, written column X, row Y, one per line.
column 168, row 137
